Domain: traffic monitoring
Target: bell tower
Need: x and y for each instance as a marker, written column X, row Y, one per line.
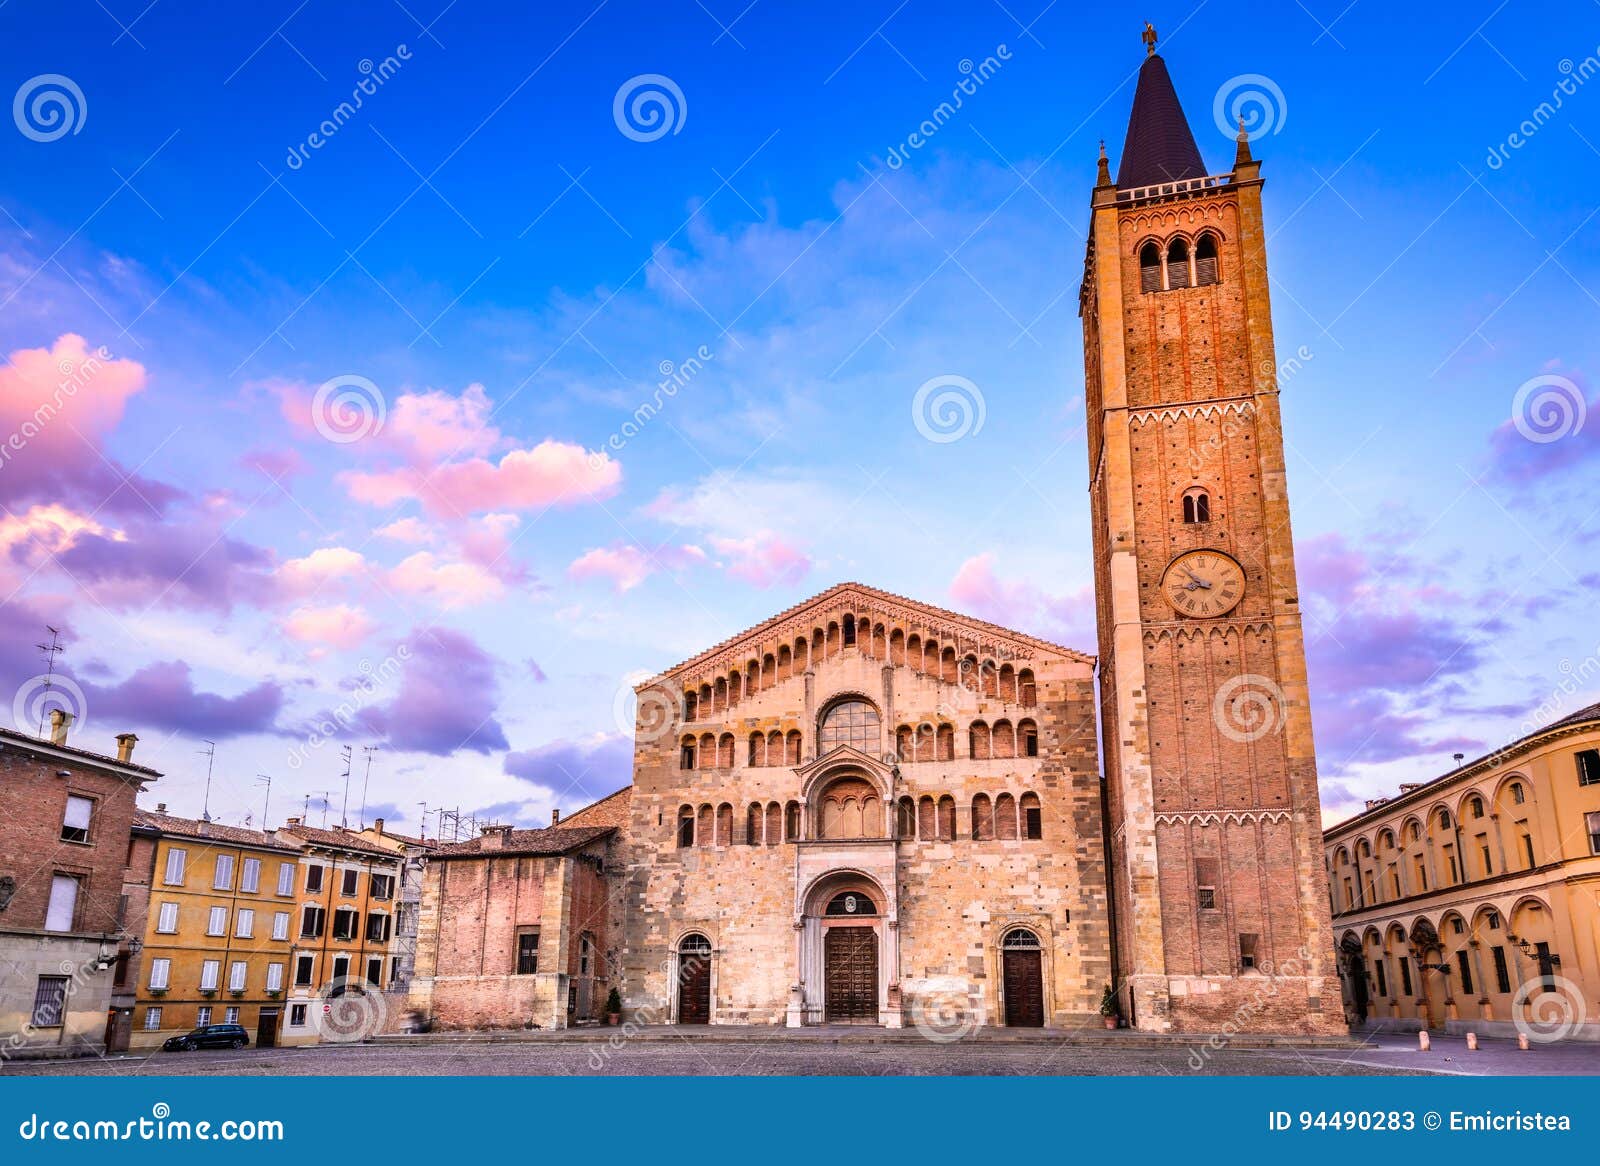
column 1219, row 893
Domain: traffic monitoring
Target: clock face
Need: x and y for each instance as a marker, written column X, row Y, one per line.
column 1203, row 584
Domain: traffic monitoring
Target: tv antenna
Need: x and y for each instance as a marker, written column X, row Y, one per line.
column 369, row 750
column 50, row 651
column 263, row 779
column 211, row 756
column 344, row 807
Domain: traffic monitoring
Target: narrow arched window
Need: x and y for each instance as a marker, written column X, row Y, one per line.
column 1027, row 693
column 982, row 818
column 1032, row 817
column 1196, row 505
column 685, row 827
column 906, row 819
column 947, row 817
column 1205, row 261
column 849, row 630
column 774, row 823
column 725, row 824
column 791, row 822
column 758, row 749
column 686, row 754
column 1149, row 268
column 1028, row 738
column 752, row 824
column 1178, row 274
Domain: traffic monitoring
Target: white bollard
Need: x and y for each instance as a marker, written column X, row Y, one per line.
column 1423, row 1043
column 1472, row 1042
column 1522, row 1041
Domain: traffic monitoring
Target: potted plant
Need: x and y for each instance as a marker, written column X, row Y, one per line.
column 274, row 993
column 1108, row 1007
column 614, row 1007
column 208, row 992
column 157, row 991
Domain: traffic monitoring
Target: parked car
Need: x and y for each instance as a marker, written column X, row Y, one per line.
column 209, row 1036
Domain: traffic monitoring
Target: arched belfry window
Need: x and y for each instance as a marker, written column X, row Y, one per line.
column 1196, row 505
column 850, row 903
column 1205, row 261
column 1178, row 274
column 849, row 722
column 1150, row 268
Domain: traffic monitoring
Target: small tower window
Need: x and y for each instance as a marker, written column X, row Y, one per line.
column 1149, row 268
column 1205, row 261
column 1196, row 505
column 1178, row 273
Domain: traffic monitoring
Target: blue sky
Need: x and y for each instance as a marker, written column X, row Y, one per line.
column 507, row 271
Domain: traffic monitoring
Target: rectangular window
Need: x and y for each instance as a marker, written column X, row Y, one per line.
column 375, row 971
column 314, row 879
column 1527, row 850
column 1405, row 975
column 297, row 1015
column 63, row 909
column 274, row 977
column 280, row 925
column 237, row 973
column 152, row 1018
column 346, row 923
column 50, row 1001
column 223, row 879
column 303, row 966
column 230, row 1014
column 1589, row 767
column 286, row 878
column 349, row 882
column 1383, row 979
column 1247, row 951
column 1502, row 974
column 382, row 886
column 377, row 928
column 177, row 860
column 160, row 970
column 217, row 924
column 1422, row 874
column 250, row 875
column 1592, row 824
column 1464, row 963
column 210, row 973
column 75, row 822
column 167, row 919
column 528, row 953
column 1033, row 823
column 245, row 925
column 1205, row 873
column 202, row 1015
column 1455, row 867
column 1483, row 849
column 311, row 923
column 1547, row 966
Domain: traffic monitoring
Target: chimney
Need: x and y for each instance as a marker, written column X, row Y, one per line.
column 161, row 807
column 125, row 744
column 1407, row 786
column 291, row 821
column 494, row 837
column 555, row 817
column 377, row 824
column 60, row 719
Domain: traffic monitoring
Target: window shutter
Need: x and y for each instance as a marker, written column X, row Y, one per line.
column 76, row 818
column 63, row 903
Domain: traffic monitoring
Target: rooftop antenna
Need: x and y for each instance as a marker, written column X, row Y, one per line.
column 369, row 750
column 344, row 807
column 423, row 833
column 325, row 795
column 1460, row 757
column 263, row 779
column 50, row 651
column 211, row 756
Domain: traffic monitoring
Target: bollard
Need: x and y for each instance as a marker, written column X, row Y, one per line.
column 1522, row 1041
column 1423, row 1043
column 1472, row 1042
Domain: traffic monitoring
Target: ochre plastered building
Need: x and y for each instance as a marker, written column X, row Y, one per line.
column 1472, row 902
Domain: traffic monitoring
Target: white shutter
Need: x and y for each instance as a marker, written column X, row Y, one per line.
column 168, row 922
column 176, row 861
column 250, row 877
column 224, row 879
column 63, row 903
column 274, row 977
column 286, row 878
column 245, row 926
column 160, row 969
column 218, row 924
column 209, row 971
column 280, row 925
column 77, row 815
column 236, row 975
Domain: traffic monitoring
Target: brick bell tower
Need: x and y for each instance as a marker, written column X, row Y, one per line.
column 1214, row 826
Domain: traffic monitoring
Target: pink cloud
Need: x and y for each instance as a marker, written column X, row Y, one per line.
column 1069, row 619
column 407, row 530
column 625, row 566
column 552, row 473
column 449, row 584
column 325, row 565
column 432, row 426
column 274, row 463
column 338, row 626
column 763, row 559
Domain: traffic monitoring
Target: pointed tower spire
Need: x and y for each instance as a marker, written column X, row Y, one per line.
column 1160, row 146
column 1241, row 154
column 1103, row 171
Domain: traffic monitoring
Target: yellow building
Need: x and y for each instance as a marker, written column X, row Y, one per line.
column 344, row 935
column 217, row 931
column 1472, row 902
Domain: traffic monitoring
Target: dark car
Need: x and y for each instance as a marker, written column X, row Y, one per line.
column 209, row 1036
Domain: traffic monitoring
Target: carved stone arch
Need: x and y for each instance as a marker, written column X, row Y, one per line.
column 1424, row 935
column 1465, row 799
column 1350, row 943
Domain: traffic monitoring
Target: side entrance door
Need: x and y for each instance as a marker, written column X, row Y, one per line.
column 850, row 955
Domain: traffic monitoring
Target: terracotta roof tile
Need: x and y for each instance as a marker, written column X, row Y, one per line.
column 344, row 839
column 553, row 840
column 209, row 831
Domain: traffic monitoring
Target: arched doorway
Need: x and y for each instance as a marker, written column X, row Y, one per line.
column 850, row 959
column 1022, row 974
column 1355, row 977
column 694, row 979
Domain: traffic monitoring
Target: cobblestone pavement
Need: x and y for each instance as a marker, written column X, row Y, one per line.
column 687, row 1056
